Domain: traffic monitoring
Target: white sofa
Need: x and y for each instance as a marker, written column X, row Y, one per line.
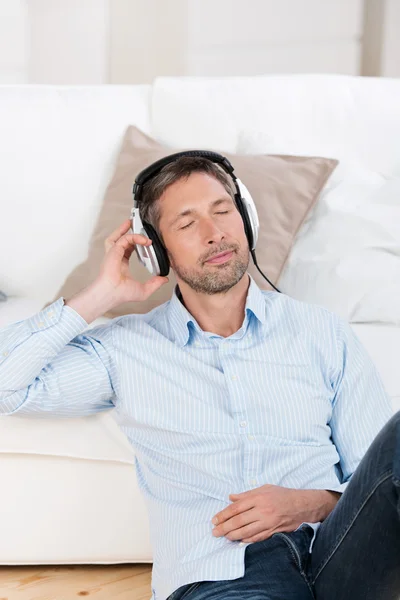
column 69, row 491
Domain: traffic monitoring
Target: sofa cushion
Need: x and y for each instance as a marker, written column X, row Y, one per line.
column 382, row 342
column 284, row 189
column 319, row 115
column 95, row 437
column 346, row 256
column 57, row 150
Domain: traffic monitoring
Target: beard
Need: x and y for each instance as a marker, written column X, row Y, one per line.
column 214, row 279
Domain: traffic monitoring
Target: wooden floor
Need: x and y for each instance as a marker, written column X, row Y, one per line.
column 72, row 582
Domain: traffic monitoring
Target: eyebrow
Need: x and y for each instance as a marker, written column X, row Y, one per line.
column 190, row 211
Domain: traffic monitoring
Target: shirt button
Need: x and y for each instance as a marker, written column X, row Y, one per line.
column 5, row 353
column 234, row 377
column 40, row 324
column 241, row 543
column 243, row 423
column 253, row 481
column 50, row 314
column 250, row 437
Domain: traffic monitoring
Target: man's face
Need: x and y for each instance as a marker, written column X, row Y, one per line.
column 213, row 226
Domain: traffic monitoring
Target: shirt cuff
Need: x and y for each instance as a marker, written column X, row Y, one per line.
column 69, row 323
column 340, row 488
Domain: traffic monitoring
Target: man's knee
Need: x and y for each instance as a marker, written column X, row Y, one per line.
column 391, row 428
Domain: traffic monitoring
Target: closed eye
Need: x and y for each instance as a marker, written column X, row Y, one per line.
column 218, row 213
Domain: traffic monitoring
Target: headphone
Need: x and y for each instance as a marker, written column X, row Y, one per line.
column 155, row 257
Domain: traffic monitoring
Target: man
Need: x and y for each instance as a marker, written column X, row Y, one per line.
column 268, row 453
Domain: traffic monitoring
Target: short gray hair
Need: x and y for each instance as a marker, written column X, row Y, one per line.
column 181, row 168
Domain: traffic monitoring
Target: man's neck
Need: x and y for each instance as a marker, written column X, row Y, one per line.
column 222, row 314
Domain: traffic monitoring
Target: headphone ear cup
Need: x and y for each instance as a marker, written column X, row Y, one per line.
column 246, row 221
column 159, row 250
column 251, row 211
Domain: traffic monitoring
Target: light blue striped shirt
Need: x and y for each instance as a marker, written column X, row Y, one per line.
column 291, row 399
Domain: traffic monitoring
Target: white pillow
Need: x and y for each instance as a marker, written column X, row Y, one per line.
column 346, row 255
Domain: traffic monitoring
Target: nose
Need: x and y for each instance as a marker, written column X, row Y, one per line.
column 211, row 232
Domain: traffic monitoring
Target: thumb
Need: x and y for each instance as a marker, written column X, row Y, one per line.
column 154, row 283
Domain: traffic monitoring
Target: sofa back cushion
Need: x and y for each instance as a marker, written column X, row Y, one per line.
column 57, row 150
column 345, row 117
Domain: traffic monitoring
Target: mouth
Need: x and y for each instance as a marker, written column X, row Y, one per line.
column 220, row 258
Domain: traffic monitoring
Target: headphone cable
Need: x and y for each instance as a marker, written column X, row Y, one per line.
column 253, row 254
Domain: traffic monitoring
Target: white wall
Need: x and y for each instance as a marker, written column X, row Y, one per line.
column 13, row 42
column 133, row 41
column 147, row 38
column 390, row 61
column 266, row 36
column 381, row 53
column 232, row 37
column 69, row 41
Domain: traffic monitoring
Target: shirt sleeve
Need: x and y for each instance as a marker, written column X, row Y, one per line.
column 50, row 366
column 361, row 405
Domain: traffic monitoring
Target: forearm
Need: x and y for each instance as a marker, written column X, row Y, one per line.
column 315, row 505
column 26, row 347
column 50, row 365
column 92, row 302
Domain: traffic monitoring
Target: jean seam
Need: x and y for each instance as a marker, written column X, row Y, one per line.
column 339, row 540
column 296, row 556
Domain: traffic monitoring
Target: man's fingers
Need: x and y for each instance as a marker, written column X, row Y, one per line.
column 233, row 509
column 131, row 240
column 128, row 240
column 117, row 233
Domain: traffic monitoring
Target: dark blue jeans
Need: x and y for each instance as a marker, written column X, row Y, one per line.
column 356, row 553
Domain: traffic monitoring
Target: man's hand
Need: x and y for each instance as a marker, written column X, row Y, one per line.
column 257, row 514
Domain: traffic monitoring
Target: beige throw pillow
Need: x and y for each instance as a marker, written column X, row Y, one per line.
column 284, row 189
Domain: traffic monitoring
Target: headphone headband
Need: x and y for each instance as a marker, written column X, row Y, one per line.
column 154, row 168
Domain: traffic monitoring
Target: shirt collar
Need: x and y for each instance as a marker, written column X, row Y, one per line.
column 180, row 317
